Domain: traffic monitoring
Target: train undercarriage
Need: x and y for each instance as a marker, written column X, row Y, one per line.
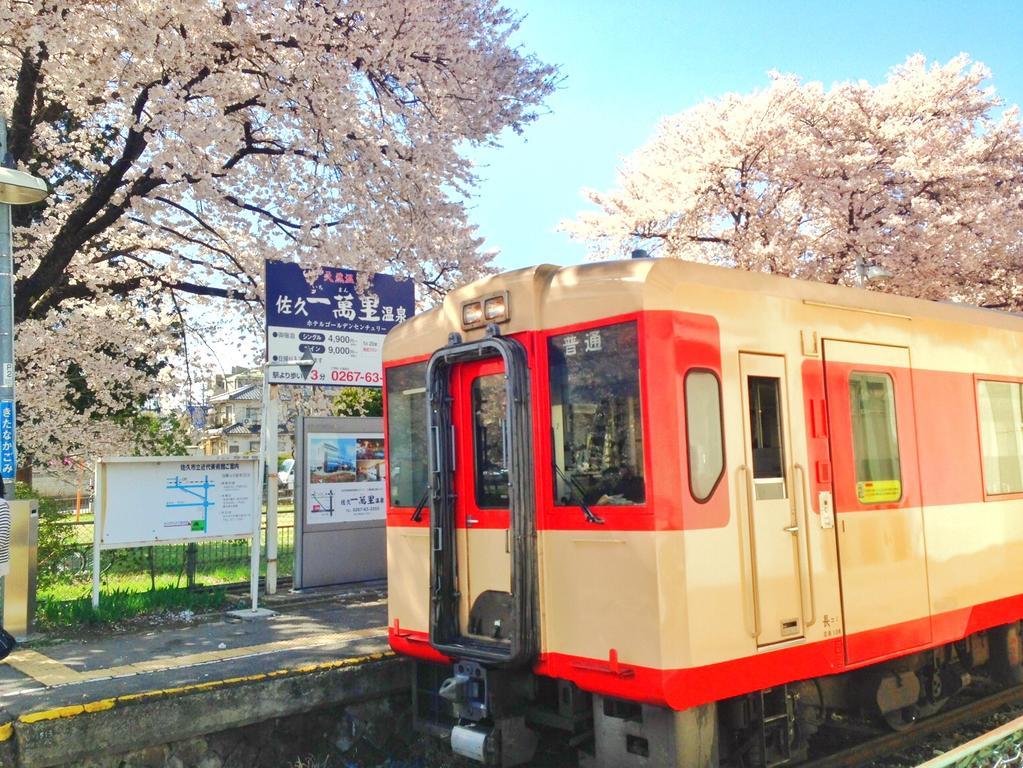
column 500, row 717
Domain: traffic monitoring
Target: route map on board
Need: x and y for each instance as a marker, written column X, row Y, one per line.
column 176, row 499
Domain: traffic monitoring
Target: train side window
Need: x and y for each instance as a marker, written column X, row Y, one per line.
column 596, row 418
column 1000, row 407
column 875, row 438
column 704, row 441
column 406, row 433
column 766, row 436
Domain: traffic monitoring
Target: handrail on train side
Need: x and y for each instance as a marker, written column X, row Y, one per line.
column 809, row 616
column 745, row 489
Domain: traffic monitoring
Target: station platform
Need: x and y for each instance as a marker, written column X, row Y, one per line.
column 65, row 700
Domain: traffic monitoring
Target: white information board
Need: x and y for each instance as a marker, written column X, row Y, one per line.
column 346, row 477
column 174, row 499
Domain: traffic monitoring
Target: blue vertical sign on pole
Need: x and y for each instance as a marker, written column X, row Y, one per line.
column 8, row 458
column 331, row 323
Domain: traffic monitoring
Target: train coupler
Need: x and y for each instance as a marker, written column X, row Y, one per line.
column 505, row 743
column 466, row 691
column 490, row 707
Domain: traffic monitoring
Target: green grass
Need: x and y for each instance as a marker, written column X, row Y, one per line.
column 64, row 605
column 119, row 605
column 139, row 580
column 130, row 586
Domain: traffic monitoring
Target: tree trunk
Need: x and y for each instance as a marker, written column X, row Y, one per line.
column 24, row 472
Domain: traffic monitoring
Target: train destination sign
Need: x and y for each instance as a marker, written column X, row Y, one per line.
column 331, row 323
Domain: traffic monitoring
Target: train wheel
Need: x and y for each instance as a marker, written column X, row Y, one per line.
column 934, row 691
column 1006, row 663
column 900, row 719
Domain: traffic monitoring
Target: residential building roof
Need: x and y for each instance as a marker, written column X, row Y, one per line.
column 251, row 429
column 250, row 392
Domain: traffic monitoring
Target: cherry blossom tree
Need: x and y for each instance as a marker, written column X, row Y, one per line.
column 184, row 142
column 921, row 175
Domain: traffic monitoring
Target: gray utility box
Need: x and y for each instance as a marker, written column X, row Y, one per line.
column 20, row 584
column 340, row 509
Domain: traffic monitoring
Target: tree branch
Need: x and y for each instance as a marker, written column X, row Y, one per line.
column 81, row 225
column 19, row 140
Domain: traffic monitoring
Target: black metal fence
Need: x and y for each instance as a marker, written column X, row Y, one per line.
column 66, row 554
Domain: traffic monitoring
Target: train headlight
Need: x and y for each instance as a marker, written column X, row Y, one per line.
column 472, row 314
column 489, row 309
column 495, row 309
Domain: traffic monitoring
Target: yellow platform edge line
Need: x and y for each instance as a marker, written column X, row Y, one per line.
column 61, row 712
column 42, row 668
column 6, row 730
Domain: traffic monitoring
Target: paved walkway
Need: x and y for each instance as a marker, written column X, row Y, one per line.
column 312, row 631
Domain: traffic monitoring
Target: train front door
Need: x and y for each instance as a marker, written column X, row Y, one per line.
column 483, row 560
column 482, row 517
column 881, row 552
column 773, row 527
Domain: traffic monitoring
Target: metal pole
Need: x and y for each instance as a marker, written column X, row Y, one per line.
column 257, row 522
column 191, row 554
column 270, row 412
column 98, row 512
column 298, row 498
column 8, row 443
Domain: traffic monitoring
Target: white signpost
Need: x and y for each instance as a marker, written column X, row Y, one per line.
column 150, row 500
column 322, row 329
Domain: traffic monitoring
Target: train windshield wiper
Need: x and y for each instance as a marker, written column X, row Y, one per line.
column 577, row 493
column 417, row 515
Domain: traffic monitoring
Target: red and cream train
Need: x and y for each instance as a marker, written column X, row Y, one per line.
column 693, row 510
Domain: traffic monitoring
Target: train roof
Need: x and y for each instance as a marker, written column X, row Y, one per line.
column 548, row 296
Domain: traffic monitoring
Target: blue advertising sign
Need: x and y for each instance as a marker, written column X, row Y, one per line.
column 331, row 323
column 8, row 462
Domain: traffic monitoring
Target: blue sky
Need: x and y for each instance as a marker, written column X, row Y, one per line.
column 625, row 67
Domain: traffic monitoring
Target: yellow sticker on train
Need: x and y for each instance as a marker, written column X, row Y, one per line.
column 879, row 491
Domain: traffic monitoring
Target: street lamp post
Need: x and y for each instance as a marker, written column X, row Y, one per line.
column 16, row 188
column 867, row 272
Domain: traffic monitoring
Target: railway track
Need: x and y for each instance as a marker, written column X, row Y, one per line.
column 892, row 743
column 999, row 748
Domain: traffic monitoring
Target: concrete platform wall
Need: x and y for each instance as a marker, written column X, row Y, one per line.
column 167, row 728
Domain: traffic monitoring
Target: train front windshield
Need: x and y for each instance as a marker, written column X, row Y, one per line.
column 596, row 422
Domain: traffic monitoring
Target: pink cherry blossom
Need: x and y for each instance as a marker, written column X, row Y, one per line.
column 921, row 175
column 186, row 142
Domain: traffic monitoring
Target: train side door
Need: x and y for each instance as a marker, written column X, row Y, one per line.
column 482, row 514
column 879, row 520
column 773, row 527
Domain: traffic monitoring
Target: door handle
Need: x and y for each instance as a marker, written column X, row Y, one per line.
column 744, row 491
column 471, row 521
column 809, row 611
column 791, row 529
